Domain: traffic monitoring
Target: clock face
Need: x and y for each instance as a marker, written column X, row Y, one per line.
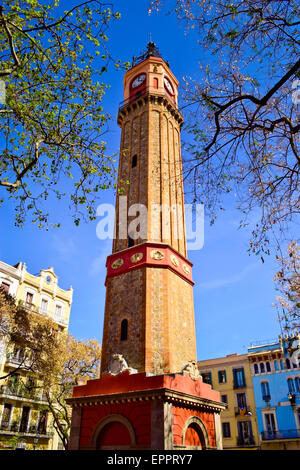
column 168, row 86
column 138, row 80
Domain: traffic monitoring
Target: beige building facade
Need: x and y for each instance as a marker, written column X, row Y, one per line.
column 231, row 376
column 24, row 418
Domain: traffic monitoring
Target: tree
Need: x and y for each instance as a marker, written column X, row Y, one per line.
column 287, row 281
column 34, row 338
column 79, row 361
column 51, row 118
column 245, row 109
column 56, row 361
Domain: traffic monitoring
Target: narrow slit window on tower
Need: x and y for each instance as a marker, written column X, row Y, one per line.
column 155, row 82
column 124, row 330
column 134, row 161
column 130, row 241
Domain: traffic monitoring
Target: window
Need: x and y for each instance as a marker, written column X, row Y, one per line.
column 239, row 378
column 256, row 369
column 276, row 366
column 29, row 299
column 262, row 367
column 58, row 311
column 222, row 376
column 291, row 385
column 268, row 366
column 25, row 419
column 294, row 362
column 134, row 161
column 42, row 422
column 297, row 384
column 206, row 377
column 226, row 429
column 288, row 363
column 6, row 416
column 5, row 287
column 124, row 330
column 224, row 399
column 241, row 400
column 130, row 242
column 44, row 305
column 270, row 424
column 265, row 391
column 281, row 364
column 245, row 435
column 155, row 82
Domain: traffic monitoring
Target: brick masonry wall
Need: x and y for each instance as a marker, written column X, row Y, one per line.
column 139, row 415
column 150, row 131
column 181, row 415
column 158, row 305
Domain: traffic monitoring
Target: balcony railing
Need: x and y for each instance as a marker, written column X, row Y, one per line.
column 243, row 411
column 153, row 91
column 239, row 385
column 18, row 360
column 280, row 434
column 20, row 392
column 245, row 441
column 30, row 431
column 266, row 398
column 52, row 315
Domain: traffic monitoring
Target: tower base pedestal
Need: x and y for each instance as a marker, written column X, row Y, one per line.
column 140, row 411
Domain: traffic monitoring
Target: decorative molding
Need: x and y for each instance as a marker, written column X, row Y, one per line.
column 118, row 364
column 136, row 257
column 199, row 423
column 117, row 263
column 157, row 254
column 192, row 370
column 174, row 260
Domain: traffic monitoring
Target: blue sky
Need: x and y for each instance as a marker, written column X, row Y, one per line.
column 233, row 291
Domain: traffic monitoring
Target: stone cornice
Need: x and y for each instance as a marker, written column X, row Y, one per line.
column 167, row 395
column 124, row 261
column 152, row 98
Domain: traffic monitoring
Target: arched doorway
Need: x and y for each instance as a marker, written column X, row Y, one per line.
column 195, row 434
column 113, row 432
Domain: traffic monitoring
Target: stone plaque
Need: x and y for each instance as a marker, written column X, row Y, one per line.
column 117, row 263
column 186, row 269
column 136, row 257
column 157, row 254
column 174, row 261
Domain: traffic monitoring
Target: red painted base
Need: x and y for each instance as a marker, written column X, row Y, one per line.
column 136, row 411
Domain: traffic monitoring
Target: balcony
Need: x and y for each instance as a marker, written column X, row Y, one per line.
column 280, row 434
column 150, row 90
column 23, row 394
column 31, row 431
column 244, row 411
column 58, row 319
column 245, row 441
column 15, row 360
column 266, row 398
column 237, row 385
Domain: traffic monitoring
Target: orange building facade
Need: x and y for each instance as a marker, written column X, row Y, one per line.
column 150, row 384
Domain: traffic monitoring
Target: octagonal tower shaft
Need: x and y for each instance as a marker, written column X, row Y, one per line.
column 149, row 314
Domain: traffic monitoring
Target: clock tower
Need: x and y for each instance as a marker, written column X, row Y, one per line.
column 149, row 300
column 150, row 394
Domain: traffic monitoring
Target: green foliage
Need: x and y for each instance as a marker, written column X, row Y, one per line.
column 53, row 121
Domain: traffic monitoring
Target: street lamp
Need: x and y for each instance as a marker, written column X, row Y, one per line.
column 291, row 397
column 35, row 441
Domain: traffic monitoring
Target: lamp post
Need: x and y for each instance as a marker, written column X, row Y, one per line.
column 35, row 441
column 291, row 397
